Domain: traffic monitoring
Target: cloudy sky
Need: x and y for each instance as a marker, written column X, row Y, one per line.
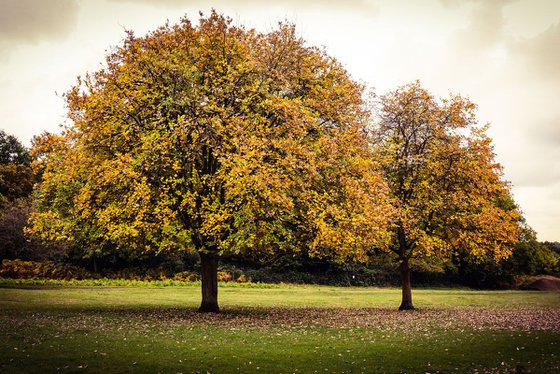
column 503, row 54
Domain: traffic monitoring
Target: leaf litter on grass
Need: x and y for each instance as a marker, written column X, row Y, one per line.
column 295, row 318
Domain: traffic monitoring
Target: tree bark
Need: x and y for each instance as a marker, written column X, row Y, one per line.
column 209, row 277
column 406, row 303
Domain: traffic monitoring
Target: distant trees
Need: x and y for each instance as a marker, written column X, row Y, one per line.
column 447, row 188
column 218, row 140
column 529, row 257
column 16, row 184
column 16, row 176
column 12, row 151
column 533, row 257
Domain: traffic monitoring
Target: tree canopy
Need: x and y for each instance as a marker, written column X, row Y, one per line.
column 219, row 140
column 12, row 151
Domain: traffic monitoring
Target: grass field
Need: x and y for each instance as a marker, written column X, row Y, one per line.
column 276, row 329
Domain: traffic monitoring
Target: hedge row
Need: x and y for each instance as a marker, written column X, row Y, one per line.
column 18, row 269
column 227, row 272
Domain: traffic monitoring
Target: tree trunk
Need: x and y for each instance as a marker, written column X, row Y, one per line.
column 406, row 303
column 209, row 278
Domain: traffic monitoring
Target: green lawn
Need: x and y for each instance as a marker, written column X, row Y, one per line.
column 287, row 329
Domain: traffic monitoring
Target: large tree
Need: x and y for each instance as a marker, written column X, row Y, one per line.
column 214, row 139
column 447, row 188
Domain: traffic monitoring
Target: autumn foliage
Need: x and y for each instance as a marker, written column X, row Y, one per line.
column 218, row 140
column 223, row 141
column 447, row 188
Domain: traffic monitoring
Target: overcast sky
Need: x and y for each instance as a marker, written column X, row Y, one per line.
column 504, row 55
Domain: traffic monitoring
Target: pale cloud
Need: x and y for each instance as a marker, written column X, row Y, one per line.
column 486, row 26
column 30, row 21
column 541, row 53
column 329, row 5
column 544, row 210
column 530, row 174
column 547, row 133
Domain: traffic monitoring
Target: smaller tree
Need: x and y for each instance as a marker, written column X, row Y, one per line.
column 446, row 186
